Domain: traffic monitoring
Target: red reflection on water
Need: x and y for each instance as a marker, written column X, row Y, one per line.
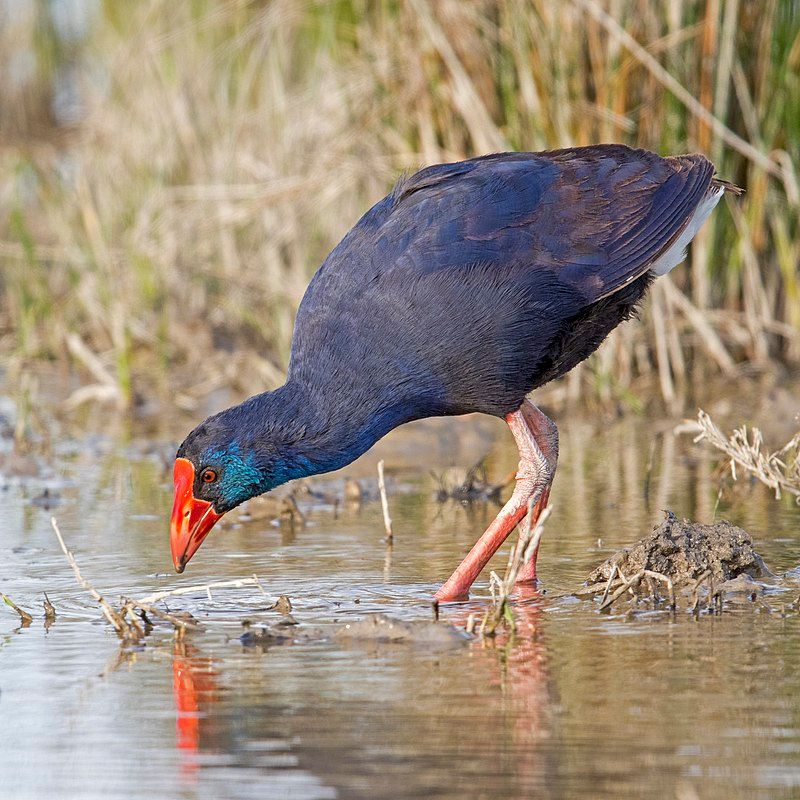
column 194, row 687
column 519, row 668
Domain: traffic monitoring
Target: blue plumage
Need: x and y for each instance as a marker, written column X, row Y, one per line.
column 467, row 287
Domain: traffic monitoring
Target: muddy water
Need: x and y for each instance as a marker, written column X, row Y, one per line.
column 581, row 705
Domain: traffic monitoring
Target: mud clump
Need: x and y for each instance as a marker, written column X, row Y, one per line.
column 685, row 551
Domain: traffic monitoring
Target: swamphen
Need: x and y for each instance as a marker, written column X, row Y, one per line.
column 467, row 287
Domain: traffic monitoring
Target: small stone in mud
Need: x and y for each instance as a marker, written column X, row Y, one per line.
column 386, row 630
column 684, row 551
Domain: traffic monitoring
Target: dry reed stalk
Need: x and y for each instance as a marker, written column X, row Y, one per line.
column 109, row 612
column 239, row 583
column 501, row 588
column 153, row 249
column 694, row 106
column 387, row 520
column 699, row 321
column 779, row 470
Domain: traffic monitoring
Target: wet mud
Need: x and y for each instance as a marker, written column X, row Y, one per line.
column 684, row 551
column 688, row 565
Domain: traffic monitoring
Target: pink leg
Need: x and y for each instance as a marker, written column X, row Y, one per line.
column 537, row 440
column 528, row 572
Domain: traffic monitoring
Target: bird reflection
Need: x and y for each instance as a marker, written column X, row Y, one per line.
column 518, row 664
column 195, row 688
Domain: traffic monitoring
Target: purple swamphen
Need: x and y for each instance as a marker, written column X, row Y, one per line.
column 467, row 287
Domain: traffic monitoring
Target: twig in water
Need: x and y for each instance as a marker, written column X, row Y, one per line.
column 179, row 623
column 113, row 616
column 387, row 520
column 520, row 554
column 667, row 581
column 203, row 587
column 387, row 561
column 49, row 609
column 125, row 621
column 23, row 614
column 614, row 571
column 631, row 584
column 696, row 590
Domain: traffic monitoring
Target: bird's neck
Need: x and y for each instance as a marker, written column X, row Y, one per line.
column 312, row 431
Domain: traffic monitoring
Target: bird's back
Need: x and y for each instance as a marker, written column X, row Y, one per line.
column 474, row 282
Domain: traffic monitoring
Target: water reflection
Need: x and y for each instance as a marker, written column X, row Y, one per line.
column 521, row 665
column 575, row 705
column 195, row 683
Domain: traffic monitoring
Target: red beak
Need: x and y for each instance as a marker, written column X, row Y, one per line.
column 192, row 519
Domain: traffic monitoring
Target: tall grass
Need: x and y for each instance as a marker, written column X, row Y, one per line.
column 162, row 237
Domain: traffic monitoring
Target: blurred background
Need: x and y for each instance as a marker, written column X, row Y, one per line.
column 172, row 173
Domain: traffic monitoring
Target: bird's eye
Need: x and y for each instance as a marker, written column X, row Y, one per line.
column 208, row 475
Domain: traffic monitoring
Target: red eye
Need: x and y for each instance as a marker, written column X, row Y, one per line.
column 208, row 476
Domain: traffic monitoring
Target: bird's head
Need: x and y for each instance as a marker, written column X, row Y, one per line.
column 218, row 466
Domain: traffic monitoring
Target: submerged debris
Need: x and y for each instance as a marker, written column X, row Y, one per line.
column 383, row 629
column 132, row 620
column 264, row 638
column 49, row 611
column 469, row 485
column 679, row 555
column 283, row 605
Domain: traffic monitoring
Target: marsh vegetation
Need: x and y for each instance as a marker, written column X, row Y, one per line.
column 173, row 173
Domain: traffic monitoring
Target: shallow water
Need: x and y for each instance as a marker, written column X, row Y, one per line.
column 581, row 704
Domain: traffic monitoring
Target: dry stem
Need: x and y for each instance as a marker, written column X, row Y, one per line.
column 520, row 554
column 125, row 620
column 779, row 470
column 113, row 616
column 387, row 520
column 240, row 583
column 623, row 586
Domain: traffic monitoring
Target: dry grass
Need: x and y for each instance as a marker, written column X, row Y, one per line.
column 161, row 239
column 780, row 470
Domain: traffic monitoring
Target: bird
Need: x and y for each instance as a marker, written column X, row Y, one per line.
column 467, row 287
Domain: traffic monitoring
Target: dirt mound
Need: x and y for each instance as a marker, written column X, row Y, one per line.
column 684, row 551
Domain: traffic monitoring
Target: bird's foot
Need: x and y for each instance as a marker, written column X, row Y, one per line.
column 443, row 596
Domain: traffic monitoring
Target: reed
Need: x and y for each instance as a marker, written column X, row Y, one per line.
column 159, row 232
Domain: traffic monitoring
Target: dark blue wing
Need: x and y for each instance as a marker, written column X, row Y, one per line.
column 596, row 216
column 471, row 282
